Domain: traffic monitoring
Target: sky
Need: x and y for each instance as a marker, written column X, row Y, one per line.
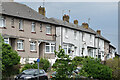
column 103, row 15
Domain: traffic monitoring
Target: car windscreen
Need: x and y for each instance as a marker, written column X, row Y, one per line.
column 28, row 72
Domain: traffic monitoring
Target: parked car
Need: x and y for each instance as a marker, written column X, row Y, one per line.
column 32, row 74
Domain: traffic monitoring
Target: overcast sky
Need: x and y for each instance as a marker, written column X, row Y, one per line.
column 103, row 15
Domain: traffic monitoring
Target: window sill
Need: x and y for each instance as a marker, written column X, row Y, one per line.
column 21, row 30
column 3, row 28
column 33, row 51
column 49, row 52
column 33, row 32
column 49, row 34
column 12, row 26
column 21, row 50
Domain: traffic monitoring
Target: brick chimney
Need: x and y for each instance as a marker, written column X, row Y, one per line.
column 41, row 10
column 85, row 25
column 66, row 18
column 99, row 32
column 76, row 22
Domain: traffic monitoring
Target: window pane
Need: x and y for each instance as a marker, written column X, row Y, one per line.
column 47, row 49
column 48, row 30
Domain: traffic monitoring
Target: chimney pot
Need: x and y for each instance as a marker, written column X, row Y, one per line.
column 41, row 10
column 66, row 18
column 76, row 22
column 99, row 32
column 85, row 25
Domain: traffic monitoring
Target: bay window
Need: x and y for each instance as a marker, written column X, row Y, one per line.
column 2, row 21
column 20, row 44
column 6, row 40
column 49, row 48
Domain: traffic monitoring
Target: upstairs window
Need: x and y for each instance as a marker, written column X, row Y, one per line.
column 75, row 35
column 33, row 27
column 2, row 21
column 12, row 21
column 33, row 46
column 20, row 44
column 40, row 26
column 48, row 30
column 66, row 31
column 21, row 24
column 83, row 36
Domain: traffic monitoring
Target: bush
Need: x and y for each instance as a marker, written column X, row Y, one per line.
column 114, row 64
column 93, row 68
column 63, row 65
column 77, row 60
column 10, row 59
column 43, row 64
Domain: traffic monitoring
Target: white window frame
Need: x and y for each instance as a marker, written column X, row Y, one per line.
column 50, row 47
column 83, row 36
column 33, row 27
column 6, row 40
column 12, row 21
column 33, row 45
column 3, row 21
column 20, row 43
column 20, row 24
column 40, row 26
column 75, row 35
column 48, row 29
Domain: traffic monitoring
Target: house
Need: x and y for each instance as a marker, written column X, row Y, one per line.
column 74, row 39
column 31, row 34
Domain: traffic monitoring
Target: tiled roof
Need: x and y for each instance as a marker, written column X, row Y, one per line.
column 101, row 37
column 22, row 11
column 73, row 26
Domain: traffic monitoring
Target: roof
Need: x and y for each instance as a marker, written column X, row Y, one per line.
column 72, row 26
column 22, row 11
column 112, row 46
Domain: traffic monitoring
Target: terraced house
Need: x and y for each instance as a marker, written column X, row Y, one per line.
column 33, row 35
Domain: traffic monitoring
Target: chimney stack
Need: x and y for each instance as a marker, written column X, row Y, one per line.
column 41, row 10
column 66, row 18
column 76, row 22
column 99, row 32
column 85, row 25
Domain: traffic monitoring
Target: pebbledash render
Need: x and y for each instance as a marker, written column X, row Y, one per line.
column 28, row 32
column 33, row 35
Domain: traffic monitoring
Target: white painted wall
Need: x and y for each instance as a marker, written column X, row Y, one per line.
column 99, row 43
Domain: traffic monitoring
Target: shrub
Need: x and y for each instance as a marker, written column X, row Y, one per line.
column 10, row 59
column 77, row 60
column 43, row 64
column 93, row 68
column 114, row 64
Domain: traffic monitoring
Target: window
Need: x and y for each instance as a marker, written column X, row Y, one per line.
column 33, row 27
column 65, row 48
column 20, row 45
column 49, row 48
column 83, row 36
column 6, row 40
column 40, row 26
column 75, row 35
column 12, row 21
column 20, row 24
column 66, row 31
column 32, row 46
column 90, row 38
column 48, row 30
column 75, row 50
column 2, row 21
